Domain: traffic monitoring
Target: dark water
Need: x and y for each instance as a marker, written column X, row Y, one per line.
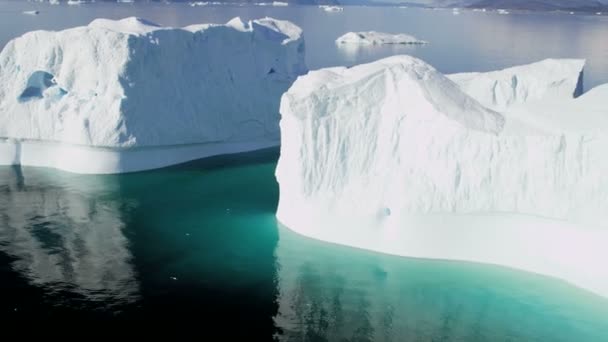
column 201, row 242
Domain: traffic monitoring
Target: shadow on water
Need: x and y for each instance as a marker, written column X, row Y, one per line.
column 194, row 241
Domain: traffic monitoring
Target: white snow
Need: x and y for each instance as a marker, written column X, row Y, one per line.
column 377, row 38
column 550, row 79
column 394, row 157
column 328, row 8
column 128, row 95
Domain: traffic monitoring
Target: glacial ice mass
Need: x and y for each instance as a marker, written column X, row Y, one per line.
column 129, row 95
column 395, row 157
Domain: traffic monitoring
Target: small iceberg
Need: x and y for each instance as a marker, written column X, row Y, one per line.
column 377, row 38
column 31, row 12
column 502, row 11
column 328, row 8
column 199, row 3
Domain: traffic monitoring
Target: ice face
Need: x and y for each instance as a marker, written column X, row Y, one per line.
column 550, row 79
column 366, row 148
column 131, row 84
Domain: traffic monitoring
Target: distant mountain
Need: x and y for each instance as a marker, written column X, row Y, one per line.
column 527, row 5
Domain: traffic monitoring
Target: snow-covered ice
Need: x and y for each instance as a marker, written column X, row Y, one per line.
column 550, row 79
column 377, row 38
column 128, row 95
column 395, row 157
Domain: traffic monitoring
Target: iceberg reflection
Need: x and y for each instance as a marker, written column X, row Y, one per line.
column 66, row 238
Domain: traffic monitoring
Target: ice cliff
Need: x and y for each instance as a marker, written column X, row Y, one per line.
column 393, row 156
column 129, row 95
column 549, row 79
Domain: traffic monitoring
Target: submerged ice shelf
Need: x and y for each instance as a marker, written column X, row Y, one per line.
column 395, row 157
column 129, row 95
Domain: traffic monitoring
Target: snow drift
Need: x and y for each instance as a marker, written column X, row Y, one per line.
column 393, row 156
column 128, row 95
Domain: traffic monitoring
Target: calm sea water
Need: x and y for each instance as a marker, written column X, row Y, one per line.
column 200, row 241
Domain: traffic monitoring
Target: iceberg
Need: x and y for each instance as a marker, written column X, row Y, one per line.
column 377, row 38
column 129, row 95
column 395, row 157
column 550, row 79
column 329, row 8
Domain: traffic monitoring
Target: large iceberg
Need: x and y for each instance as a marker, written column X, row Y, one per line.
column 549, row 79
column 129, row 95
column 395, row 157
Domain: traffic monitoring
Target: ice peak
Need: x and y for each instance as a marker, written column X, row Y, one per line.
column 408, row 83
column 130, row 25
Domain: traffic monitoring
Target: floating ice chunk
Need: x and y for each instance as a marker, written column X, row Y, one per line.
column 377, row 38
column 328, row 8
column 31, row 12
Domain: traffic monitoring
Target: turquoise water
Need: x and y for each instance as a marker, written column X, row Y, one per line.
column 201, row 240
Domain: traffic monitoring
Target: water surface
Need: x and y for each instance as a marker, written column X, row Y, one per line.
column 201, row 242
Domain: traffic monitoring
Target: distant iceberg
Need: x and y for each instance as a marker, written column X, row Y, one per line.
column 377, row 38
column 328, row 8
column 393, row 156
column 129, row 95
